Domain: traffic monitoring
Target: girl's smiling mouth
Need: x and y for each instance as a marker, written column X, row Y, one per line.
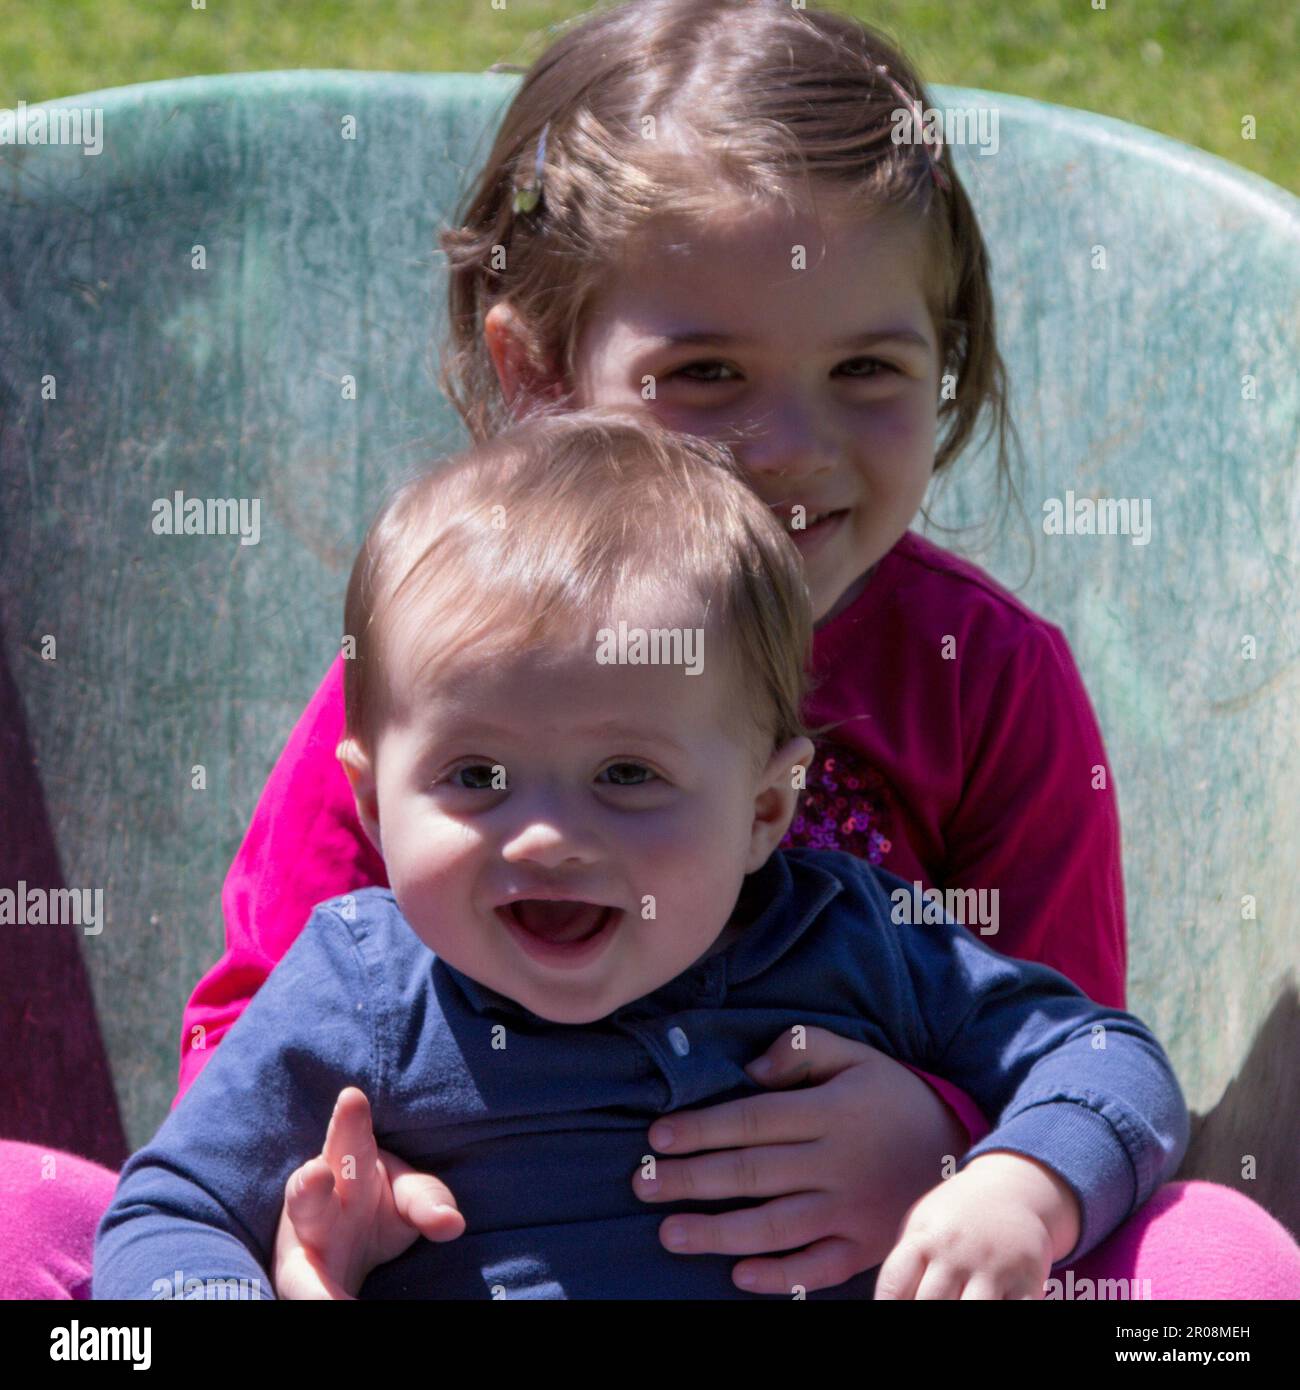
column 816, row 528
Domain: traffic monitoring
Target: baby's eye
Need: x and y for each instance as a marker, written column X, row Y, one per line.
column 709, row 367
column 629, row 774
column 479, row 777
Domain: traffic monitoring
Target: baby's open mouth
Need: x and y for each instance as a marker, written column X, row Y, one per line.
column 560, row 923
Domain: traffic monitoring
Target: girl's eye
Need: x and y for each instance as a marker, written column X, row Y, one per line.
column 871, row 362
column 709, row 372
column 479, row 777
column 629, row 774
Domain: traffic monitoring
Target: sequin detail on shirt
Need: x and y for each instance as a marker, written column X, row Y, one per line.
column 844, row 807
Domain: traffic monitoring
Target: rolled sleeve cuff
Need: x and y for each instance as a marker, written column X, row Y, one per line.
column 1081, row 1147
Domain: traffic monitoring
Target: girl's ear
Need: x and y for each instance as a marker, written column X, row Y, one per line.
column 507, row 343
column 776, row 799
column 361, row 775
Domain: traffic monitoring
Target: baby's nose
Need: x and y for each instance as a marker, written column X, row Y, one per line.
column 549, row 836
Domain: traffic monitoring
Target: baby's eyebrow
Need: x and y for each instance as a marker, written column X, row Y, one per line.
column 611, row 728
column 460, row 731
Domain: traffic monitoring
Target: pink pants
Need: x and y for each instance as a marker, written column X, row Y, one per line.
column 1191, row 1240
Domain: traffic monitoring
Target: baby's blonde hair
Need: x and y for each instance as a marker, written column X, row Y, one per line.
column 751, row 99
column 554, row 524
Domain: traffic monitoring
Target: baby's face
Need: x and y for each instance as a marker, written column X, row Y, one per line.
column 570, row 834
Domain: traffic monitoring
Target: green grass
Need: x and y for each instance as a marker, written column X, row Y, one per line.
column 1189, row 68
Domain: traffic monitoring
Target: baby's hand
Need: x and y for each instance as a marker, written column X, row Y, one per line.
column 352, row 1208
column 992, row 1231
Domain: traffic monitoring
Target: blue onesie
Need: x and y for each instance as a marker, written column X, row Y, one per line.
column 537, row 1127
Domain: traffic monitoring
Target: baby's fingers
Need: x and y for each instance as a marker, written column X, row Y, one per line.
column 901, row 1274
column 311, row 1203
column 913, row 1271
column 423, row 1201
column 299, row 1276
column 310, row 1210
column 351, row 1134
column 986, row 1287
column 941, row 1281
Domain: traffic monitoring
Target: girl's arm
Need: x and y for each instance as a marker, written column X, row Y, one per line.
column 305, row 844
column 1038, row 822
column 966, row 1112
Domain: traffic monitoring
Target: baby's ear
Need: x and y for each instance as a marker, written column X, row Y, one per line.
column 777, row 799
column 361, row 776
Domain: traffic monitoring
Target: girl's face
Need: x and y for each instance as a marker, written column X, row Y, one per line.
column 807, row 345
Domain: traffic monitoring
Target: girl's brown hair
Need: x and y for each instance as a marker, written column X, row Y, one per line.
column 752, row 98
column 565, row 521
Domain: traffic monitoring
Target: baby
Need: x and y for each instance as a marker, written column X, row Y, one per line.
column 573, row 732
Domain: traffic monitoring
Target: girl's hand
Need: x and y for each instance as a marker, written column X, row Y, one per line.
column 352, row 1208
column 992, row 1231
column 841, row 1159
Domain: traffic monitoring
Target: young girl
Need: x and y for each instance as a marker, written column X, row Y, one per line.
column 695, row 207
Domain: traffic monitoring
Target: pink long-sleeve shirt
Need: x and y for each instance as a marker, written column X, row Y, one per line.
column 965, row 754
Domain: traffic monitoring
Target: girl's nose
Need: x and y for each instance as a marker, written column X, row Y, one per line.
column 787, row 444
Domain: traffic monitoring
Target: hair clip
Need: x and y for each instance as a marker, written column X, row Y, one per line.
column 526, row 199
column 934, row 152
